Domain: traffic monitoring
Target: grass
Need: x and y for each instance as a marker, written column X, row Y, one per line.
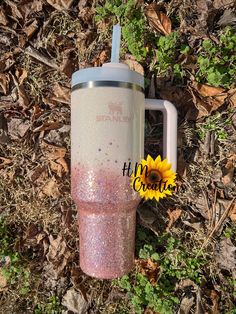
column 167, row 261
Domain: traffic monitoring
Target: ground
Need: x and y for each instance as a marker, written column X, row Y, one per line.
column 185, row 244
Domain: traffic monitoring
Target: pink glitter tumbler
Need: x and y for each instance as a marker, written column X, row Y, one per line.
column 107, row 130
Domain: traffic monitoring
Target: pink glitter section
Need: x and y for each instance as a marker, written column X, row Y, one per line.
column 107, row 218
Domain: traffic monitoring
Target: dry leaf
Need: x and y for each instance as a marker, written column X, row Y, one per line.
column 56, row 168
column 75, row 302
column 158, row 20
column 30, row 29
column 3, row 19
column 100, row 59
column 206, row 90
column 36, row 173
column 69, row 63
column 59, row 166
column 228, row 172
column 173, row 216
column 4, row 83
column 226, row 255
column 60, row 4
column 228, row 18
column 52, row 152
column 16, row 14
column 134, row 66
column 219, row 4
column 186, row 305
column 206, row 105
column 149, row 269
column 215, row 297
column 181, row 165
column 61, row 94
column 37, row 112
column 64, row 165
column 232, row 97
column 22, row 97
column 58, row 254
column 3, row 281
column 4, row 161
column 23, row 100
column 54, row 125
column 51, row 188
column 21, row 75
column 17, row 128
column 6, row 61
column 232, row 213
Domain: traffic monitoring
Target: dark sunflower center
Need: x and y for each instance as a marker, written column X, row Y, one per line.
column 153, row 176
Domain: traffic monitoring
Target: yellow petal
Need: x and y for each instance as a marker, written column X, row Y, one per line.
column 168, row 173
column 149, row 162
column 165, row 165
column 157, row 161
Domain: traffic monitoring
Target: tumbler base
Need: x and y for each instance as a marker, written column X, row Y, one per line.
column 107, row 243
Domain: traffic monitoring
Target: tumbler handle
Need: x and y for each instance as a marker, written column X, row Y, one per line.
column 170, row 127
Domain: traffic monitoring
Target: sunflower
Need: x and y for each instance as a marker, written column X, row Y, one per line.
column 153, row 178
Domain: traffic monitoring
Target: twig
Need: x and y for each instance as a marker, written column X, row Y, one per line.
column 217, row 226
column 38, row 56
column 213, row 221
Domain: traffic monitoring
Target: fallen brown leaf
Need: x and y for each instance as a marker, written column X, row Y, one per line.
column 149, row 269
column 4, row 83
column 226, row 255
column 61, row 94
column 22, row 97
column 21, row 75
column 6, row 61
column 158, row 20
column 4, row 162
column 59, row 166
column 48, row 126
column 181, row 165
column 37, row 112
column 218, row 4
column 17, row 128
column 232, row 213
column 75, row 302
column 51, row 188
column 3, row 18
column 232, row 97
column 30, row 29
column 64, row 165
column 173, row 216
column 60, row 4
column 3, row 281
column 206, row 90
column 186, row 305
column 229, row 170
column 215, row 297
column 135, row 66
column 69, row 63
column 207, row 104
column 101, row 58
column 52, row 152
column 16, row 14
column 58, row 254
column 36, row 173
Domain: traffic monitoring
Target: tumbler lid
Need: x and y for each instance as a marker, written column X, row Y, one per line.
column 116, row 72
